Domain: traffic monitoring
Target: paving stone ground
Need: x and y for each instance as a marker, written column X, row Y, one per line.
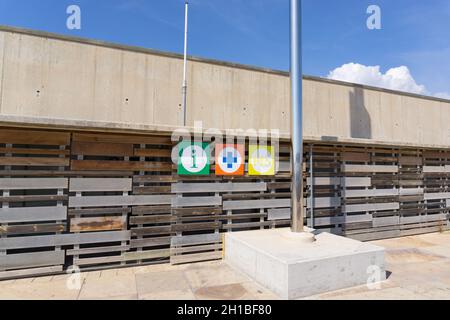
column 419, row 268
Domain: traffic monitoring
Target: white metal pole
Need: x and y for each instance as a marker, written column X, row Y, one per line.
column 184, row 89
column 297, row 117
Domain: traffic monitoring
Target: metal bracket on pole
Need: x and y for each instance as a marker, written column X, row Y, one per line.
column 297, row 117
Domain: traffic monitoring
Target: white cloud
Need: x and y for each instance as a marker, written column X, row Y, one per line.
column 399, row 78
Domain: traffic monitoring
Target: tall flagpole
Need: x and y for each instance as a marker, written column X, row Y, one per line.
column 184, row 89
column 297, row 117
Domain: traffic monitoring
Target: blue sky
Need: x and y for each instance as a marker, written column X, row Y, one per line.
column 414, row 32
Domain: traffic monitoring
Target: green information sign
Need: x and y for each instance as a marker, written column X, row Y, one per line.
column 194, row 159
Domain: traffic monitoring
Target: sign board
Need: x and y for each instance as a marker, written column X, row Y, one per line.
column 261, row 161
column 230, row 160
column 193, row 158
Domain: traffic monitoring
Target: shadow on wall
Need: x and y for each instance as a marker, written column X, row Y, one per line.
column 361, row 127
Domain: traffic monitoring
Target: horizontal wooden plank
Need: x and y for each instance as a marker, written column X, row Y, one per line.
column 324, row 202
column 100, row 184
column 196, row 257
column 196, row 226
column 435, row 169
column 98, row 224
column 355, row 156
column 151, row 231
column 119, row 138
column 23, row 229
column 324, row 181
column 120, row 165
column 36, row 162
column 256, row 204
column 194, row 249
column 386, row 221
column 328, row 221
column 31, row 137
column 33, row 183
column 32, row 260
column 410, row 161
column 98, row 211
column 196, row 201
column 411, row 192
column 369, row 193
column 279, row 214
column 33, row 198
column 369, row 168
column 356, row 182
column 160, row 153
column 95, row 250
column 376, row 235
column 103, row 149
column 437, row 196
column 371, row 207
column 103, row 201
column 196, row 239
column 218, row 187
column 423, row 218
column 150, row 242
column 151, row 219
column 63, row 240
column 32, row 214
column 13, row 274
column 127, row 256
column 34, row 151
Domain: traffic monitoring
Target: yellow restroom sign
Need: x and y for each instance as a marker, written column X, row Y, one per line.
column 261, row 161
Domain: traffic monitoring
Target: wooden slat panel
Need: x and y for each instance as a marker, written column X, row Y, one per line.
column 103, row 149
column 33, row 183
column 190, row 258
column 386, row 221
column 34, row 137
column 435, row 169
column 279, row 214
column 324, row 202
column 103, row 201
column 218, row 187
column 23, row 229
column 369, row 169
column 98, row 224
column 163, row 153
column 325, row 181
column 196, row 201
column 256, row 204
column 355, row 156
column 75, row 252
column 410, row 161
column 356, row 182
column 411, row 192
column 30, row 272
column 30, row 260
column 369, row 193
column 100, row 184
column 371, row 207
column 437, row 196
column 120, row 165
column 423, row 218
column 119, row 138
column 196, row 239
column 15, row 215
column 63, row 240
column 34, row 151
column 327, row 221
column 37, row 162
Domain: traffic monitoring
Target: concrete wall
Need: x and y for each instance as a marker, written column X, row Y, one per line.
column 56, row 77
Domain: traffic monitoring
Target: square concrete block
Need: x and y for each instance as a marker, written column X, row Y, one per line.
column 292, row 268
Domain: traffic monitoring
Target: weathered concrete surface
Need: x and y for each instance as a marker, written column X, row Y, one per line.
column 427, row 277
column 57, row 77
column 292, row 269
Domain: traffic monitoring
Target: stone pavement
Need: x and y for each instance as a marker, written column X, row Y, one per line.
column 419, row 266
